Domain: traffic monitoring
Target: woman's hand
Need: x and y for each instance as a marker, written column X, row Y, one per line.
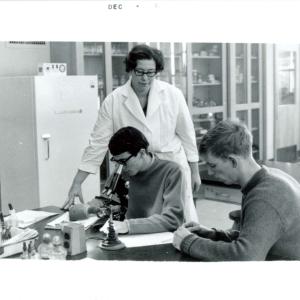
column 75, row 191
column 195, row 177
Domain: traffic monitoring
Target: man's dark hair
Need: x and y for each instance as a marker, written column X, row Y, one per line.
column 143, row 51
column 227, row 137
column 127, row 139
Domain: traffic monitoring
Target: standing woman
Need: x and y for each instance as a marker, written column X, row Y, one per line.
column 158, row 110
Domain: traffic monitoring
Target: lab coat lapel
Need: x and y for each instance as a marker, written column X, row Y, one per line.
column 132, row 104
column 155, row 98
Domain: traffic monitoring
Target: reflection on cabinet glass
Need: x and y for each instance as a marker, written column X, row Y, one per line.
column 243, row 116
column 241, row 73
column 286, row 77
column 255, row 133
column 206, row 64
column 119, row 51
column 175, row 64
column 245, row 89
column 204, row 122
column 94, row 63
column 255, row 74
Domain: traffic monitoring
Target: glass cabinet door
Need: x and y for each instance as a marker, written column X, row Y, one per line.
column 245, row 90
column 175, row 64
column 179, row 76
column 166, row 49
column 94, row 63
column 207, row 75
column 242, row 115
column 204, row 122
column 287, row 77
column 255, row 73
column 206, row 85
column 241, row 73
column 119, row 51
column 255, row 130
column 286, row 113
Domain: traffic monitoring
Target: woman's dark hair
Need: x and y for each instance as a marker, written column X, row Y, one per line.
column 127, row 139
column 142, row 51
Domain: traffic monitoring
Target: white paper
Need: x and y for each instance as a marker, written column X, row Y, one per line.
column 64, row 218
column 20, row 235
column 29, row 217
column 139, row 240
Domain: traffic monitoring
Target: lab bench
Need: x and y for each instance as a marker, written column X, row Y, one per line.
column 162, row 252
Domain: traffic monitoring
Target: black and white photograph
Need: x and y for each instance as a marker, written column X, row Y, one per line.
column 138, row 157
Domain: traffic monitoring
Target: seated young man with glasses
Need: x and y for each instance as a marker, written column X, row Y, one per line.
column 155, row 185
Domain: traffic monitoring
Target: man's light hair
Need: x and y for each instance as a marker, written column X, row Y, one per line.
column 227, row 137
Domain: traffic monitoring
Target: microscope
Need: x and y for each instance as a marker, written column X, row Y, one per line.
column 115, row 186
column 113, row 200
column 112, row 186
column 110, row 205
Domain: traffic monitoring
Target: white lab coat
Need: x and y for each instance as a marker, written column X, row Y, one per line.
column 167, row 126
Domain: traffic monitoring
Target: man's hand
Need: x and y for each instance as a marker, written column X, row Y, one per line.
column 200, row 230
column 75, row 191
column 121, row 227
column 179, row 235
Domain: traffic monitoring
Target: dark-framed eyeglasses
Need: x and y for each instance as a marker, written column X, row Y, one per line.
column 139, row 72
column 121, row 161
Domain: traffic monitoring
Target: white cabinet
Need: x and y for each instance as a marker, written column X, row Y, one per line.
column 45, row 122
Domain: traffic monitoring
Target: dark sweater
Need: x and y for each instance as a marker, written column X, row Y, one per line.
column 155, row 198
column 270, row 223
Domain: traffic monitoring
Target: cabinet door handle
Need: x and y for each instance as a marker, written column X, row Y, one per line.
column 46, row 138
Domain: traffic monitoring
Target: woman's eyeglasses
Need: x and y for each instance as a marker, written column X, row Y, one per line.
column 139, row 72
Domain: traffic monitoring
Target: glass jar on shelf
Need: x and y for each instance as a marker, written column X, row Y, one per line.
column 207, row 74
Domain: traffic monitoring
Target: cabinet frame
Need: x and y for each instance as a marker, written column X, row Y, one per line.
column 249, row 106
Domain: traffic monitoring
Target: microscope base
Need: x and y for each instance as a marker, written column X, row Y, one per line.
column 111, row 245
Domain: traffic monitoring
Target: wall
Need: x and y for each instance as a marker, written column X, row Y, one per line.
column 22, row 59
column 67, row 52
